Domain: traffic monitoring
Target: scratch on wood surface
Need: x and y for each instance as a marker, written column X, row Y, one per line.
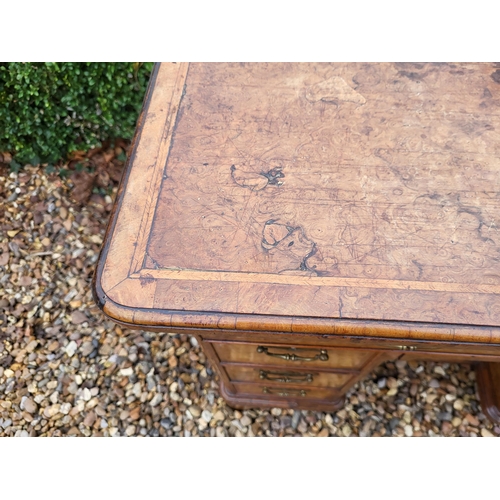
column 334, row 89
column 257, row 181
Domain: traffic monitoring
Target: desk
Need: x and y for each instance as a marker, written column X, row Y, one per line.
column 307, row 222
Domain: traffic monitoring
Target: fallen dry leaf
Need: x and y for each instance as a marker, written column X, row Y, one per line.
column 83, row 183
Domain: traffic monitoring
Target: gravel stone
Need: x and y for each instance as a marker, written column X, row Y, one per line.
column 71, row 348
column 444, row 415
column 157, row 399
column 346, row 430
column 439, row 370
column 219, row 416
column 166, row 423
column 195, row 410
column 78, row 317
column 29, row 405
column 408, row 430
column 65, row 408
column 245, row 421
column 295, row 419
column 6, row 423
column 206, row 416
column 472, row 419
column 89, row 419
column 87, row 348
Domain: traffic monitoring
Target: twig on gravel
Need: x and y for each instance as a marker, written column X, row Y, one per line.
column 38, row 254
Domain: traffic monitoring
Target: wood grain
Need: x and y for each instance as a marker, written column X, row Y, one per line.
column 239, row 373
column 153, row 139
column 249, row 353
column 367, row 189
column 246, row 401
column 347, row 207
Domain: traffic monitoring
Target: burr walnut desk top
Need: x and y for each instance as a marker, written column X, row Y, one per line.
column 354, row 200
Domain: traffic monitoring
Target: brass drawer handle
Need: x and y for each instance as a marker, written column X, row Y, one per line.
column 407, row 347
column 288, row 392
column 286, row 376
column 322, row 356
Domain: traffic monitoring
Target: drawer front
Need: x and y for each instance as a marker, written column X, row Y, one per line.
column 402, row 345
column 298, row 394
column 317, row 357
column 449, row 357
column 288, row 377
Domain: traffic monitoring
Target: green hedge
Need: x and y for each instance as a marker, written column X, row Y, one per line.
column 48, row 110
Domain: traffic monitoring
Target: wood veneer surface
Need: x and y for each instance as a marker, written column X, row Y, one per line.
column 239, row 373
column 327, row 192
column 249, row 353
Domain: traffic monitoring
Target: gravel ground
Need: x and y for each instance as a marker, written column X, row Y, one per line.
column 65, row 370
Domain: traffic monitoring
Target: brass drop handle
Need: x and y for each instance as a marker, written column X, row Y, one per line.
column 407, row 347
column 286, row 376
column 322, row 356
column 288, row 392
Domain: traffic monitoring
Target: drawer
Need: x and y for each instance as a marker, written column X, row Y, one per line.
column 273, row 376
column 363, row 342
column 279, row 355
column 449, row 357
column 281, row 392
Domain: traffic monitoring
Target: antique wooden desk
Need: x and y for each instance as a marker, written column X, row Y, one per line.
column 307, row 222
